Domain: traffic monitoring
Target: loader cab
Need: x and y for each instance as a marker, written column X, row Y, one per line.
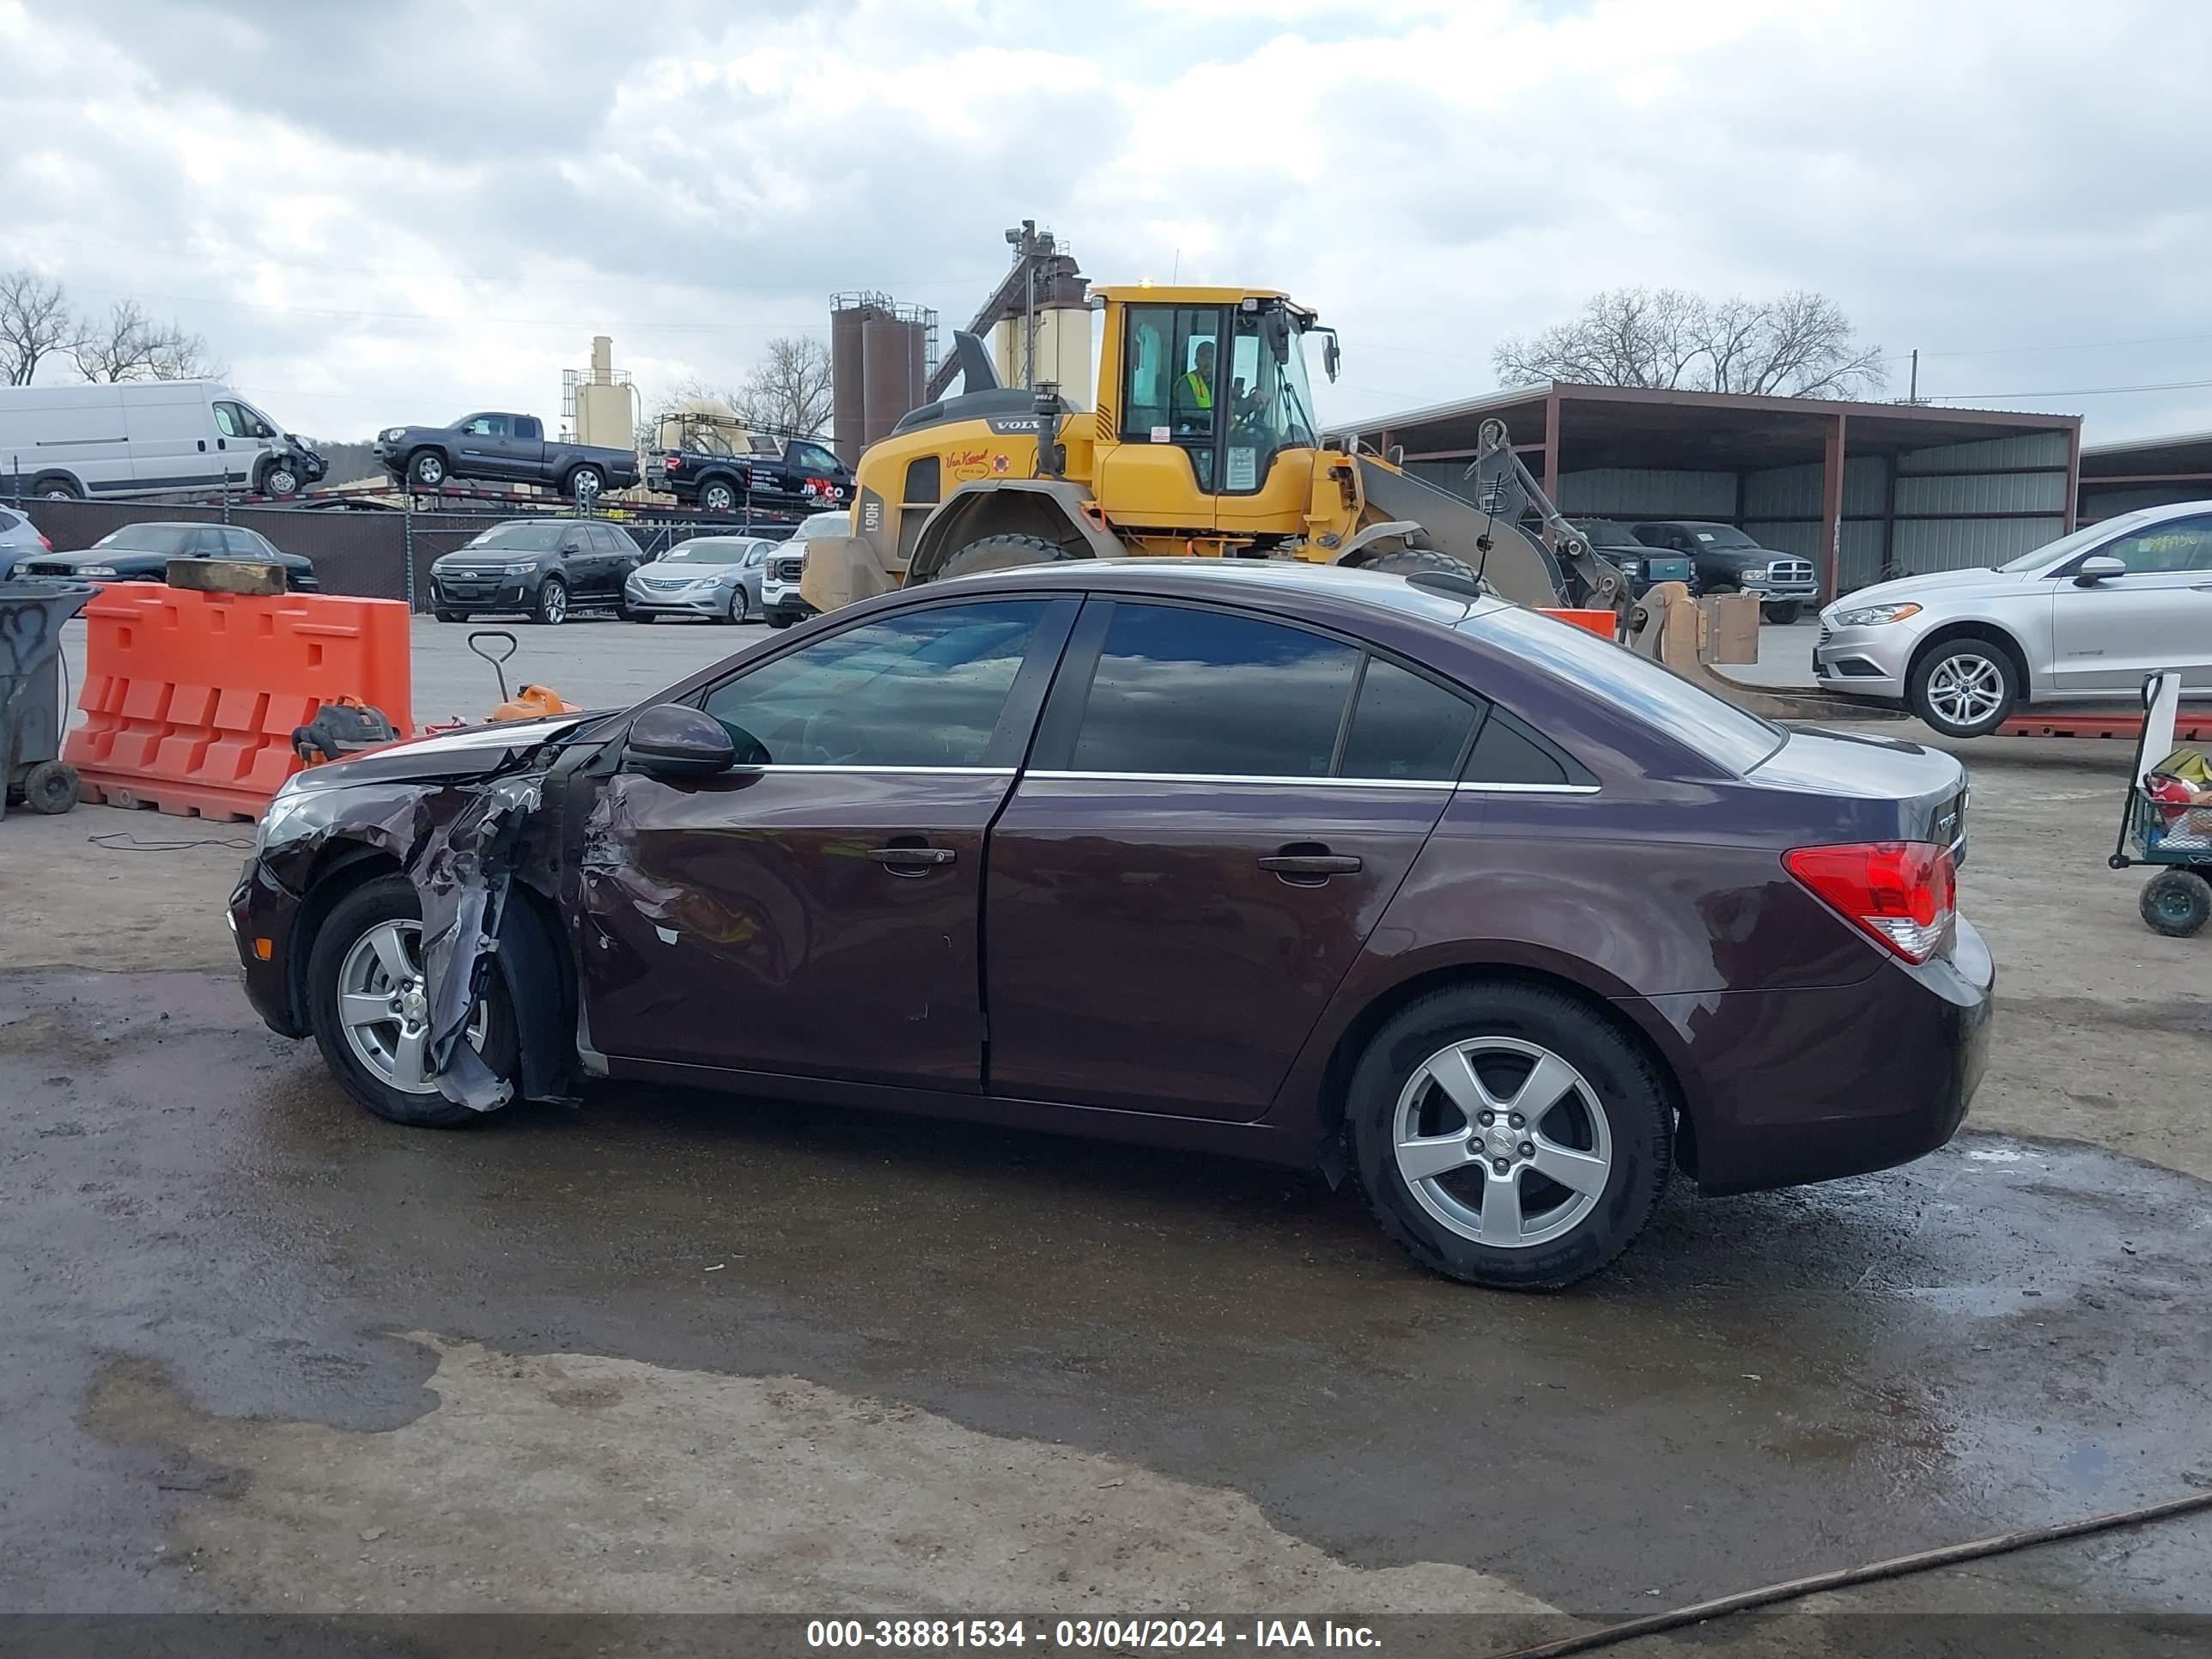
column 1208, row 388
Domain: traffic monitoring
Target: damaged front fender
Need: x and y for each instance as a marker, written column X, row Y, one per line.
column 462, row 845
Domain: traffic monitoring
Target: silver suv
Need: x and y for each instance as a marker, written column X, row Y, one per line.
column 2081, row 620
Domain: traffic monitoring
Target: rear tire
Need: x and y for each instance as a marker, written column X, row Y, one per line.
column 1420, row 561
column 717, row 496
column 585, row 484
column 1605, row 1122
column 387, row 900
column 1965, row 687
column 776, row 619
column 1004, row 553
column 2176, row 903
column 1783, row 612
column 56, row 487
column 50, row 787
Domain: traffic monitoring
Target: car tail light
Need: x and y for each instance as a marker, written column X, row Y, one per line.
column 1902, row 894
column 44, row 542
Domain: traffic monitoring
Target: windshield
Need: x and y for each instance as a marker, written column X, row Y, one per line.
column 714, row 552
column 147, row 537
column 823, row 524
column 1603, row 533
column 1719, row 535
column 1687, row 713
column 2089, row 534
column 531, row 538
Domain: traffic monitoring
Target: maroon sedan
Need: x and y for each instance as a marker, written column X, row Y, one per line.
column 1324, row 867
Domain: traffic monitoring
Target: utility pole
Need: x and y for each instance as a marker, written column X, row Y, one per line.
column 1912, row 391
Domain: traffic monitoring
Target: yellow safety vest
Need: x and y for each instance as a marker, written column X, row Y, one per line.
column 1201, row 393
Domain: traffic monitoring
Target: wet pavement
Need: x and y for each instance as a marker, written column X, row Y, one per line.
column 201, row 1229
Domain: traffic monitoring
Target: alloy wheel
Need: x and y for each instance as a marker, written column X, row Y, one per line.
column 555, row 603
column 1502, row 1141
column 384, row 1006
column 1966, row 688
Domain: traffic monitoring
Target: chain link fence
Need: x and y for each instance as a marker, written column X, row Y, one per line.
column 363, row 554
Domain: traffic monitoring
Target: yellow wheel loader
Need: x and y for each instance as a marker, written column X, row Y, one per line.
column 1202, row 440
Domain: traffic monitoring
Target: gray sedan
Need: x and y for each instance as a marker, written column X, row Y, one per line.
column 2081, row 620
column 717, row 577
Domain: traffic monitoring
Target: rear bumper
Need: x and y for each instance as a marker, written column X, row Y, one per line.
column 1784, row 1087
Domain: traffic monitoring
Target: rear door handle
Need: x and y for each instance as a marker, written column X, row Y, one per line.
column 1311, row 863
column 911, row 860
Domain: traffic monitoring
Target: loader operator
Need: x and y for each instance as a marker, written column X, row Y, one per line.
column 1194, row 393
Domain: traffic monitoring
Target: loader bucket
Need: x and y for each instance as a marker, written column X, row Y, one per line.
column 842, row 570
column 1667, row 627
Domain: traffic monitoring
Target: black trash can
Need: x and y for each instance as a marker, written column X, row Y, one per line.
column 32, row 611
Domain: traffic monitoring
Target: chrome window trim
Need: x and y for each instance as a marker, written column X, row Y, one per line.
column 1438, row 785
column 956, row 771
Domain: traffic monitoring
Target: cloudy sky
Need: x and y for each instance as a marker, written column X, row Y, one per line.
column 401, row 211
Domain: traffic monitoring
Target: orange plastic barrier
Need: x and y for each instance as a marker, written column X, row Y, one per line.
column 1603, row 624
column 190, row 698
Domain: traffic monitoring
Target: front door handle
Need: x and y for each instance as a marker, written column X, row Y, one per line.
column 1311, row 867
column 911, row 860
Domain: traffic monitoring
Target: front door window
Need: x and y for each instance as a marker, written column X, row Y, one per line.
column 1170, row 387
column 928, row 689
column 1269, row 404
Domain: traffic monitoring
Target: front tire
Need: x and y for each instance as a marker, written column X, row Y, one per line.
column 740, row 609
column 1418, row 560
column 1782, row 612
column 552, row 606
column 2176, row 903
column 279, row 480
column 451, row 615
column 1004, row 553
column 427, row 470
column 780, row 619
column 1566, row 1171
column 364, row 994
column 1965, row 687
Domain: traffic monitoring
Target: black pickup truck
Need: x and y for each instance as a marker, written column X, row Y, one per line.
column 774, row 470
column 501, row 447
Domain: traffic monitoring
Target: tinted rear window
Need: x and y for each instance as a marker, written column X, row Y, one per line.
column 1664, row 699
column 1190, row 692
column 1405, row 727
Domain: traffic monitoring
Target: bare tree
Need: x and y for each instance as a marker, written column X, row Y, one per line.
column 1799, row 345
column 790, row 390
column 34, row 323
column 127, row 345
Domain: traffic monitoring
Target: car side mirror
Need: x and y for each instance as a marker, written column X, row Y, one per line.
column 670, row 740
column 2100, row 566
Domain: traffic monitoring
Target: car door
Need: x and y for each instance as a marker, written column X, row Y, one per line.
column 480, row 447
column 580, row 562
column 622, row 556
column 1218, row 808
column 815, row 913
column 2108, row 635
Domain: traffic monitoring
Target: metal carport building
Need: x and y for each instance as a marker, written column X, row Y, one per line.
column 2120, row 478
column 1867, row 491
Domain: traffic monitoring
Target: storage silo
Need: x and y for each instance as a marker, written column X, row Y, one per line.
column 881, row 355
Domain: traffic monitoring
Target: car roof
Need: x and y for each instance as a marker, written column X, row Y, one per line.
column 1290, row 580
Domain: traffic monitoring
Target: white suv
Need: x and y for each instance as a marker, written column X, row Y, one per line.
column 2081, row 620
column 781, row 606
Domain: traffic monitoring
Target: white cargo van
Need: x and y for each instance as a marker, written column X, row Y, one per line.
column 94, row 440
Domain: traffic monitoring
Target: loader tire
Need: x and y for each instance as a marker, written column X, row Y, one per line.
column 1414, row 561
column 1004, row 553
